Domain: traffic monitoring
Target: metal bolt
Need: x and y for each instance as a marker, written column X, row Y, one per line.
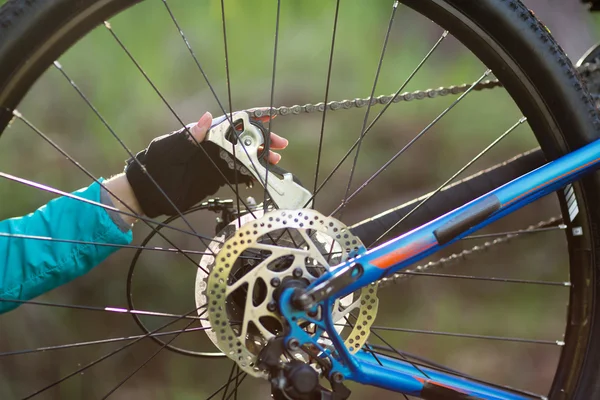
column 293, row 344
column 337, row 377
column 248, row 142
column 297, row 272
column 219, row 220
column 275, row 282
column 272, row 306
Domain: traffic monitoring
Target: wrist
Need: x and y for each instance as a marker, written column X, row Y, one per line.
column 124, row 199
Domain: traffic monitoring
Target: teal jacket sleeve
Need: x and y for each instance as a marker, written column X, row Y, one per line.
column 30, row 267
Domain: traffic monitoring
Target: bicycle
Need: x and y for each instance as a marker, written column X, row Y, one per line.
column 308, row 273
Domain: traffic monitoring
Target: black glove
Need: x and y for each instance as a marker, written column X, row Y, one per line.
column 182, row 170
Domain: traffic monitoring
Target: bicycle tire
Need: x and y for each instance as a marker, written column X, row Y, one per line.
column 504, row 34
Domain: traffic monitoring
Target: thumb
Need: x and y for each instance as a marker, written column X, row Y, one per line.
column 199, row 130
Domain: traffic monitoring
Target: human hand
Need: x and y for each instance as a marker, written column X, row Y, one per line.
column 184, row 172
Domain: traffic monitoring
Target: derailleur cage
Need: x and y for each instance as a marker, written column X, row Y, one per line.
column 244, row 139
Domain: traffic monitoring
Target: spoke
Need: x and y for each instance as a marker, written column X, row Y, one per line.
column 328, row 82
column 238, row 383
column 271, row 100
column 117, row 310
column 103, row 341
column 191, row 51
column 157, row 352
column 453, row 177
column 487, row 278
column 122, row 246
column 467, row 335
column 78, row 371
column 216, row 392
column 129, row 152
column 228, row 79
column 292, row 238
column 229, row 379
column 558, row 227
column 364, row 125
column 413, row 140
column 394, row 97
column 214, row 93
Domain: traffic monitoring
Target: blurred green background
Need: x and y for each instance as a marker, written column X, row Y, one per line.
column 165, row 282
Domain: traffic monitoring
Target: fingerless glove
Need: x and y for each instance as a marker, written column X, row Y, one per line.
column 182, row 170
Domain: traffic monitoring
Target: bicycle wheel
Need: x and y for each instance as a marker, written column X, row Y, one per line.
column 503, row 38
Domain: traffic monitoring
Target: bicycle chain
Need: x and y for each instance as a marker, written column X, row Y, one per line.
column 585, row 70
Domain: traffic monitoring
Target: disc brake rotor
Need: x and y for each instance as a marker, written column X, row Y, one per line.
column 207, row 262
column 259, row 258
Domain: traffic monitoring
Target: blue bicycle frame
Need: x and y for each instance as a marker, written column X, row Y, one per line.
column 396, row 254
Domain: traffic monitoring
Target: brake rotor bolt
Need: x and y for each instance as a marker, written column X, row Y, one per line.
column 293, row 344
column 337, row 377
column 272, row 306
column 297, row 273
column 275, row 282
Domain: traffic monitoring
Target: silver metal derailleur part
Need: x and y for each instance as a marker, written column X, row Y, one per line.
column 246, row 137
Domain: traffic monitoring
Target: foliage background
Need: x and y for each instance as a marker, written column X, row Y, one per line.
column 166, row 283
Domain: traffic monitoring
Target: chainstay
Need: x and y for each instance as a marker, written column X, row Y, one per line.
column 586, row 71
column 467, row 254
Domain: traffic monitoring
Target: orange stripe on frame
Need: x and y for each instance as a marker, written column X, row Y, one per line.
column 401, row 254
column 423, row 381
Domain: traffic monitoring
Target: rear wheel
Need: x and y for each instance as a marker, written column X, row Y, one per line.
column 510, row 45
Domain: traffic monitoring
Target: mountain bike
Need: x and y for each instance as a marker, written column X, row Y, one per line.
column 282, row 287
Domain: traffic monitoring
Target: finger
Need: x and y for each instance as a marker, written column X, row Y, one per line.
column 274, row 158
column 199, row 130
column 278, row 142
